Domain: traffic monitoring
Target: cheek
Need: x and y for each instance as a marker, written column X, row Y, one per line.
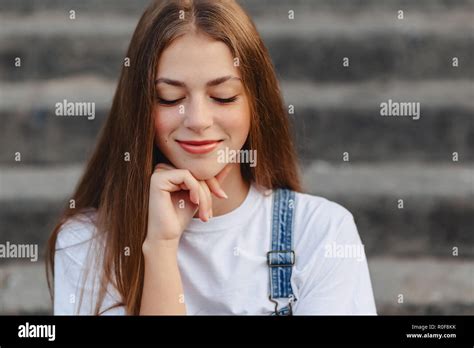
column 237, row 124
column 164, row 124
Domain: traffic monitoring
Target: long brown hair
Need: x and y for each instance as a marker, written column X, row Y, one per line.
column 119, row 189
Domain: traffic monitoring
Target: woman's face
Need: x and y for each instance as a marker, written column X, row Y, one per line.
column 200, row 99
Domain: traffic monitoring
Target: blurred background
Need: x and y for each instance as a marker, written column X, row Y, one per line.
column 423, row 251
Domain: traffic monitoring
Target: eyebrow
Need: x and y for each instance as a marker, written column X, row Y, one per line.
column 211, row 83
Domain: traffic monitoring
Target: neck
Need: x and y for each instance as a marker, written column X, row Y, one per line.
column 236, row 188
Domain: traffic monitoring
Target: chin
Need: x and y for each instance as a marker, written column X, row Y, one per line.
column 201, row 169
column 203, row 172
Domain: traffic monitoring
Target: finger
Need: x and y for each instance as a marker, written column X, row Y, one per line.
column 164, row 166
column 216, row 188
column 204, row 204
column 178, row 177
column 192, row 197
column 192, row 185
column 193, row 194
column 209, row 197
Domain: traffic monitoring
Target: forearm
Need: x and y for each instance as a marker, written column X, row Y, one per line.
column 162, row 288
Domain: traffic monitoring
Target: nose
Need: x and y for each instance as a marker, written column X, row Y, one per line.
column 197, row 116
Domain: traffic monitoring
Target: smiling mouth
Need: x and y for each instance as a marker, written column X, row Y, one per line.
column 198, row 146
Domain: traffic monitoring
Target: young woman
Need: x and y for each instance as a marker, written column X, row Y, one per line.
column 168, row 221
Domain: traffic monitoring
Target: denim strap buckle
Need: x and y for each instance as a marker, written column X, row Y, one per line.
column 281, row 258
column 287, row 310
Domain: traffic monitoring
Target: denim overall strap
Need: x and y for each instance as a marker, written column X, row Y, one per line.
column 281, row 257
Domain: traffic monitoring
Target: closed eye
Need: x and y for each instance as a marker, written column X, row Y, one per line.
column 225, row 100
column 169, row 102
column 219, row 100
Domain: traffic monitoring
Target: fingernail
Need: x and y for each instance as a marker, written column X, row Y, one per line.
column 224, row 194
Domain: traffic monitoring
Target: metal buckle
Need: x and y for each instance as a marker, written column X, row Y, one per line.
column 281, row 264
column 289, row 305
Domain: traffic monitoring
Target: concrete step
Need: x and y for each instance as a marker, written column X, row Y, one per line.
column 255, row 7
column 376, row 42
column 429, row 286
column 437, row 214
column 329, row 119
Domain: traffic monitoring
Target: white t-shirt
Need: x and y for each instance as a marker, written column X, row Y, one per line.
column 223, row 262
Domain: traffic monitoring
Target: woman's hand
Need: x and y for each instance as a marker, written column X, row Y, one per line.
column 175, row 197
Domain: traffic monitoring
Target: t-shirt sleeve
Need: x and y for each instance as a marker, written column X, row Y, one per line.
column 76, row 280
column 337, row 280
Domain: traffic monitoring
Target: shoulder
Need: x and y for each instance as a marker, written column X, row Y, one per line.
column 317, row 213
column 332, row 274
column 320, row 222
column 78, row 268
column 321, row 214
column 325, row 210
column 77, row 234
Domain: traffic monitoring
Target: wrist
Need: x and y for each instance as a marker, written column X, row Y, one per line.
column 152, row 247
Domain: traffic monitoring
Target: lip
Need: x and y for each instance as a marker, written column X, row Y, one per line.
column 198, row 146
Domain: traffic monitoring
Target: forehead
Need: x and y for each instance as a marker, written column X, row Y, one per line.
column 195, row 59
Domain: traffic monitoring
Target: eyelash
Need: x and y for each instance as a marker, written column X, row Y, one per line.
column 174, row 102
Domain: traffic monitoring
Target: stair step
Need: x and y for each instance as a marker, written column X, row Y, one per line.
column 376, row 42
column 329, row 119
column 428, row 286
column 255, row 7
column 437, row 214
